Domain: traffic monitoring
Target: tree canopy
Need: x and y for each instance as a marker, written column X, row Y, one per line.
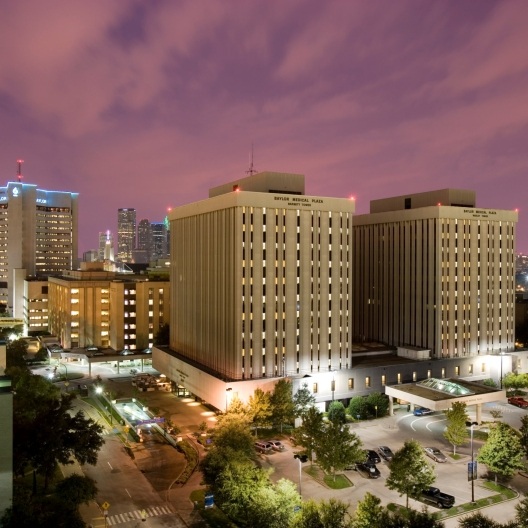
column 502, row 452
column 456, row 432
column 47, row 431
column 303, row 399
column 281, row 403
column 410, row 472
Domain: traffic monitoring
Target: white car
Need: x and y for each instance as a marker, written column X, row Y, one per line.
column 435, row 454
column 277, row 445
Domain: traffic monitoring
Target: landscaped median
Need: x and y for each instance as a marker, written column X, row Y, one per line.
column 502, row 494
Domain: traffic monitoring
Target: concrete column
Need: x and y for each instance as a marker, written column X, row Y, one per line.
column 391, row 406
column 479, row 413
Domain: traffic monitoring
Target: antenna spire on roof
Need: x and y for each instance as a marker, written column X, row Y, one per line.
column 251, row 169
column 19, row 169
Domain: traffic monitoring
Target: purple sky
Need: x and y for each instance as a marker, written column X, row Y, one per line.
column 149, row 104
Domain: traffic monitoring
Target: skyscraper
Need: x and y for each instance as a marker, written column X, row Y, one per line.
column 159, row 240
column 126, row 234
column 261, row 282
column 38, row 237
column 144, row 240
column 432, row 270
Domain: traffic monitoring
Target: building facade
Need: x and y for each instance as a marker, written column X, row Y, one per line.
column 103, row 308
column 126, row 234
column 159, row 248
column 432, row 270
column 35, row 305
column 38, row 237
column 261, row 279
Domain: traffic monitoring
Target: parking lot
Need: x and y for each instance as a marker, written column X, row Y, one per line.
column 451, row 476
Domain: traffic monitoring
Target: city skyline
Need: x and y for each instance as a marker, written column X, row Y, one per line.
column 150, row 105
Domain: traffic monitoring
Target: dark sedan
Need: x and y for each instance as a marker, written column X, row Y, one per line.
column 368, row 470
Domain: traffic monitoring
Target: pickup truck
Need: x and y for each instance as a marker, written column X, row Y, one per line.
column 435, row 496
column 518, row 401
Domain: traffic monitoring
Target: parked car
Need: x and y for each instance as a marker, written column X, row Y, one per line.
column 368, row 470
column 518, row 402
column 435, row 454
column 435, row 496
column 385, row 453
column 277, row 445
column 422, row 411
column 263, row 447
column 126, row 353
column 372, row 456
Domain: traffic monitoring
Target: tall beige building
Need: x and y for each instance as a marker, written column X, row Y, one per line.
column 102, row 308
column 434, row 271
column 262, row 280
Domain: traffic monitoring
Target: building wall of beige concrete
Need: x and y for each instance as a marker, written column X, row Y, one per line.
column 438, row 277
column 107, row 312
column 261, row 283
column 35, row 305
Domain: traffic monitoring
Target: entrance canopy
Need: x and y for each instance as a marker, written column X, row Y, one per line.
column 439, row 394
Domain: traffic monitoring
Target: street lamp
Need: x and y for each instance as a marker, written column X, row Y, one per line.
column 301, row 458
column 229, row 389
column 472, row 466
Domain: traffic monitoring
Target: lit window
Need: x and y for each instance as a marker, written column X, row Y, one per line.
column 315, row 388
column 383, row 380
column 367, row 381
column 350, row 383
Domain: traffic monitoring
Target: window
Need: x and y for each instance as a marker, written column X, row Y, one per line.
column 457, row 371
column 414, row 376
column 367, row 381
column 350, row 383
column 399, row 378
column 314, row 388
column 428, row 374
column 383, row 380
column 470, row 369
column 443, row 372
column 483, row 368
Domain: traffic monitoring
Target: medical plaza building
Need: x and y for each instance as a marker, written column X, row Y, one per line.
column 261, row 285
column 267, row 282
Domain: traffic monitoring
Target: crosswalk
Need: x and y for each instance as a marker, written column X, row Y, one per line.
column 138, row 515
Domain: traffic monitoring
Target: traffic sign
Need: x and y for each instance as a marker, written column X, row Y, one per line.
column 105, row 505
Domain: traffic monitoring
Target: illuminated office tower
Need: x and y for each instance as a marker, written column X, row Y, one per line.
column 433, row 271
column 159, row 240
column 126, row 234
column 261, row 281
column 38, row 237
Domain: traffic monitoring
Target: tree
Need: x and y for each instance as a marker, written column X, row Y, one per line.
column 378, row 404
column 273, row 506
column 16, row 352
column 303, row 399
column 478, row 520
column 522, row 513
column 76, row 490
column 281, row 402
column 336, row 412
column 410, row 472
column 324, row 514
column 47, row 430
column 358, row 406
column 308, row 435
column 368, row 512
column 502, row 452
column 338, row 448
column 523, row 430
column 259, row 408
column 456, row 431
column 236, row 486
column 232, row 442
column 163, row 335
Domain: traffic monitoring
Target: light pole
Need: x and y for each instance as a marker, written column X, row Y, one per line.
column 472, row 473
column 229, row 389
column 301, row 459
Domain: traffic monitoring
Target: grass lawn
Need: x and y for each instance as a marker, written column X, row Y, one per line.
column 340, row 482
